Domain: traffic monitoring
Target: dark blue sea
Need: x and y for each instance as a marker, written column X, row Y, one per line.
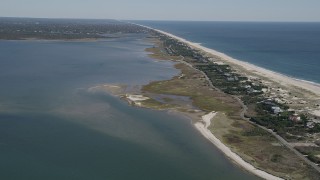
column 292, row 49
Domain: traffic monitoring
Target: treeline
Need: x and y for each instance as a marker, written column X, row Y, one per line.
column 22, row 28
column 268, row 113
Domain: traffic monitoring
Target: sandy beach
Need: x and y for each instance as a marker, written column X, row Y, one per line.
column 136, row 99
column 203, row 128
column 271, row 75
column 203, row 125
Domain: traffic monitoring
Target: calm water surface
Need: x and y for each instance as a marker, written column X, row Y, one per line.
column 288, row 48
column 52, row 127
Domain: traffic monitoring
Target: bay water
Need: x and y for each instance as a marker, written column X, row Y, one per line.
column 53, row 127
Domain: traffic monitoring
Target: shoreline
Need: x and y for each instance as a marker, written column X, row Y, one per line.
column 203, row 125
column 260, row 71
column 203, row 129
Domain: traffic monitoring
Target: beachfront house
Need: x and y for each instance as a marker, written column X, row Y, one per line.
column 295, row 118
column 276, row 110
column 310, row 125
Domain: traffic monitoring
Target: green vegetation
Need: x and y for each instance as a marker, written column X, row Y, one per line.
column 228, row 81
column 151, row 103
column 259, row 148
column 261, row 110
column 252, row 143
column 255, row 132
column 201, row 96
column 65, row 29
column 276, row 158
column 313, row 153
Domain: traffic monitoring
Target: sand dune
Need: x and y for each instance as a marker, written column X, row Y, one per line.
column 203, row 128
column 274, row 76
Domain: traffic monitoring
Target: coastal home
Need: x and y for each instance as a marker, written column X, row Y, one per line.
column 264, row 90
column 295, row 118
column 278, row 100
column 247, row 86
column 269, row 102
column 310, row 125
column 302, row 102
column 276, row 109
column 251, row 91
column 256, row 91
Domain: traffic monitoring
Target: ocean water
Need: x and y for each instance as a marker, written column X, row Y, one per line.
column 292, row 49
column 52, row 127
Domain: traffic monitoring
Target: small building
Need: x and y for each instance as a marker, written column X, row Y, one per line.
column 251, row 90
column 276, row 109
column 247, row 86
column 310, row 125
column 291, row 110
column 295, row 118
column 269, row 102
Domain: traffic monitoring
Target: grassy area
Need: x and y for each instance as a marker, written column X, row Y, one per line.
column 156, row 54
column 151, row 103
column 194, row 86
column 313, row 153
column 253, row 144
column 259, row 148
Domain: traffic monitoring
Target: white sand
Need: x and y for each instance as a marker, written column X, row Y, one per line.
column 274, row 76
column 277, row 77
column 207, row 118
column 203, row 128
column 136, row 98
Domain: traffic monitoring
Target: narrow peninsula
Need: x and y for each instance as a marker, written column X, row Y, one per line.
column 258, row 118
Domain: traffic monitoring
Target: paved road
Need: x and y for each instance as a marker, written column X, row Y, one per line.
column 244, row 110
column 283, row 141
